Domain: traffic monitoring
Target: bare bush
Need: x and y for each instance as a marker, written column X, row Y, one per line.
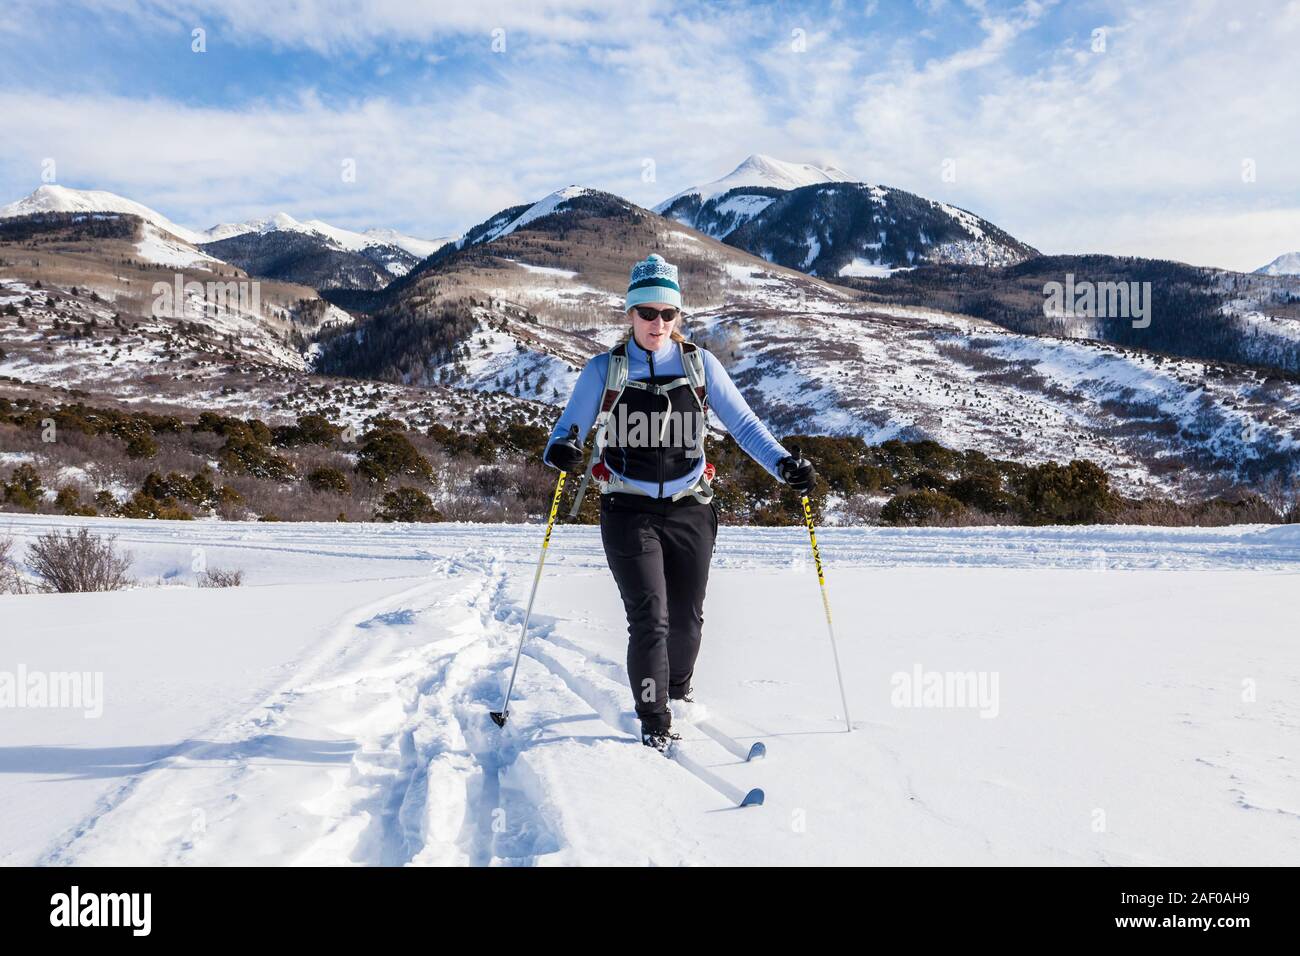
column 860, row 509
column 220, row 578
column 74, row 561
column 11, row 580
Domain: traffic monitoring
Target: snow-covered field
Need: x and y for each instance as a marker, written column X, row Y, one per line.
column 1138, row 701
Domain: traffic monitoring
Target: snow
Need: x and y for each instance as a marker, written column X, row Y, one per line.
column 543, row 207
column 1287, row 264
column 761, row 170
column 744, row 207
column 865, row 268
column 814, row 249
column 420, row 248
column 158, row 247
column 333, row 710
column 546, row 270
column 162, row 249
column 968, row 220
column 343, row 238
column 53, row 198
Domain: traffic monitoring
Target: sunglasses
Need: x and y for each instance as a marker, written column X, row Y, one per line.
column 649, row 314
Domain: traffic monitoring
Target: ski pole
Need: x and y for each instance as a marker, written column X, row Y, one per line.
column 826, row 601
column 499, row 717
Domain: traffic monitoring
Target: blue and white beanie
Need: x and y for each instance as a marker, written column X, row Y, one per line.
column 653, row 280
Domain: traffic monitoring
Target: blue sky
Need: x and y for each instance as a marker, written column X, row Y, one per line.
column 1077, row 126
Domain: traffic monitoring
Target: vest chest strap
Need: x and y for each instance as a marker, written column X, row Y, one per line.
column 658, row 389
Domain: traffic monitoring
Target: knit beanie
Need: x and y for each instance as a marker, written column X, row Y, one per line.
column 653, row 280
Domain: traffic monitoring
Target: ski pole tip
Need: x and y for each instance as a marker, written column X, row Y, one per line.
column 499, row 717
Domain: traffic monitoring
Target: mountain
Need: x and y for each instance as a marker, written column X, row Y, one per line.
column 719, row 207
column 814, row 219
column 326, row 256
column 311, row 260
column 317, row 254
column 852, row 229
column 510, row 313
column 535, row 290
column 342, row 238
column 420, row 248
column 160, row 241
column 746, row 190
column 1287, row 264
column 1176, row 309
column 52, row 198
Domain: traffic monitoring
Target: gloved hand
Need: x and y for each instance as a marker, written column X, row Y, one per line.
column 797, row 472
column 564, row 455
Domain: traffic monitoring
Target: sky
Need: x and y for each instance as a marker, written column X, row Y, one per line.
column 1163, row 129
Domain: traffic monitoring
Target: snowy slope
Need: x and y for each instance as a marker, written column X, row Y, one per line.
column 1287, row 264
column 818, row 221
column 305, row 720
column 52, row 198
column 159, row 247
column 545, row 206
column 894, row 372
column 764, row 171
column 342, row 238
column 809, row 358
column 163, row 242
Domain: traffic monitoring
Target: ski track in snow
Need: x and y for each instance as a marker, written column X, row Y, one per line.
column 379, row 749
column 423, row 778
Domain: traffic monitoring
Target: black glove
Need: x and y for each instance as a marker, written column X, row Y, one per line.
column 564, row 455
column 798, row 473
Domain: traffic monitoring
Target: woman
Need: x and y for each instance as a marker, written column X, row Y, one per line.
column 658, row 524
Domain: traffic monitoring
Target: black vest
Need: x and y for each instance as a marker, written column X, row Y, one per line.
column 636, row 418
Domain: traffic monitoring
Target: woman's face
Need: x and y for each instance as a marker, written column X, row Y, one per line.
column 651, row 335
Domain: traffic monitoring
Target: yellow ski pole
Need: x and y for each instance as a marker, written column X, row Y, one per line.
column 826, row 601
column 499, row 717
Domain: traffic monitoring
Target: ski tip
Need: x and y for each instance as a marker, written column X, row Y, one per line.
column 753, row 799
column 499, row 717
column 756, row 750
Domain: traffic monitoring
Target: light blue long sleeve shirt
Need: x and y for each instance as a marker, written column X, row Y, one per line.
column 724, row 399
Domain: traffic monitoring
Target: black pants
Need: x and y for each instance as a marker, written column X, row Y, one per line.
column 659, row 552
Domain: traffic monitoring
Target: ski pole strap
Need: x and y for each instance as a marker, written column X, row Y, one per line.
column 577, row 498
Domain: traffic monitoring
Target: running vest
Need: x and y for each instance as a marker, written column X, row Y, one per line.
column 630, row 410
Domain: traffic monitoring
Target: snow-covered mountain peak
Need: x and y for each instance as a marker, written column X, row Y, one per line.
column 764, row 171
column 1287, row 264
column 347, row 239
column 55, row 198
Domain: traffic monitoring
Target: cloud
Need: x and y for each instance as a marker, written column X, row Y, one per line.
column 334, row 26
column 1137, row 148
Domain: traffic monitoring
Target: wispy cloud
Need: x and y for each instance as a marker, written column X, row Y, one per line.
column 1133, row 143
